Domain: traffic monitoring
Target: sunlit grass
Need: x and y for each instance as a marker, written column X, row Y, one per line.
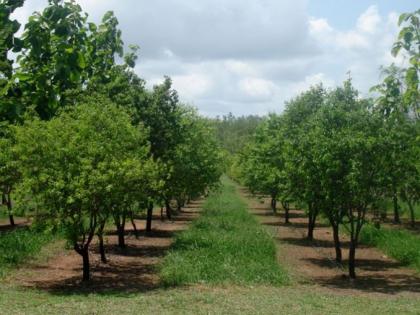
column 225, row 245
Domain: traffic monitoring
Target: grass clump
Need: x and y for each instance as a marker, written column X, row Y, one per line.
column 18, row 245
column 225, row 245
column 399, row 244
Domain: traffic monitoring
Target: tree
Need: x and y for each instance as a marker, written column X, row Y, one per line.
column 408, row 42
column 300, row 169
column 263, row 162
column 73, row 163
column 196, row 163
column 9, row 111
column 53, row 60
column 331, row 154
column 9, row 171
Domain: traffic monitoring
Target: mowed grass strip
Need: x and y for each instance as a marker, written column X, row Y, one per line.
column 224, row 245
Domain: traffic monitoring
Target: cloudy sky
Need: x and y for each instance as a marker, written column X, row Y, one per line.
column 249, row 56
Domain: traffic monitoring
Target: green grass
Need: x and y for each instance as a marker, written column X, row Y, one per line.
column 399, row 244
column 17, row 246
column 225, row 245
column 249, row 261
column 206, row 300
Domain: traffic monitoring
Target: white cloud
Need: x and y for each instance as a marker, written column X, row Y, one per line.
column 192, row 85
column 319, row 26
column 369, row 21
column 312, row 80
column 258, row 88
column 246, row 56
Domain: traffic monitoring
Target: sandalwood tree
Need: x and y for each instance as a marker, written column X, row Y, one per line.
column 196, row 163
column 74, row 162
column 263, row 163
column 301, row 171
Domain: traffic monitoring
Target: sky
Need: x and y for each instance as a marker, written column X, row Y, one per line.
column 251, row 56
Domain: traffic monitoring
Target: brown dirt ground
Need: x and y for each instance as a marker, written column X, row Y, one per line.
column 19, row 222
column 313, row 262
column 133, row 269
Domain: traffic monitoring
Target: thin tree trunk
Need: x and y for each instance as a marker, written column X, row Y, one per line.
column 179, row 205
column 396, row 208
column 274, row 205
column 352, row 259
column 102, row 248
column 412, row 215
column 9, row 210
column 121, row 238
column 149, row 218
column 168, row 210
column 133, row 223
column 120, row 223
column 101, row 242
column 84, row 252
column 311, row 222
column 337, row 243
column 286, row 208
column 86, row 265
column 311, row 227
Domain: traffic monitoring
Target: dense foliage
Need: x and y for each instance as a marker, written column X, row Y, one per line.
column 82, row 140
column 336, row 154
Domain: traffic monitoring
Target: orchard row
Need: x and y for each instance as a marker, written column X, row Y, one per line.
column 83, row 143
column 335, row 153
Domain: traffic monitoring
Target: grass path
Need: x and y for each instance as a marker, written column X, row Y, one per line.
column 224, row 245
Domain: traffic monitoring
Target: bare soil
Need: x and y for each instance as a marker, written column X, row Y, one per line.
column 133, row 269
column 19, row 223
column 313, row 262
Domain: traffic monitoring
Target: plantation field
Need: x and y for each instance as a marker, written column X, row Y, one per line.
column 235, row 278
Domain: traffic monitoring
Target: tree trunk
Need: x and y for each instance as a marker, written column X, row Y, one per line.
column 274, row 204
column 9, row 210
column 101, row 241
column 286, row 212
column 396, row 208
column 311, row 223
column 133, row 223
column 179, row 205
column 121, row 236
column 120, row 223
column 352, row 259
column 86, row 265
column 84, row 252
column 168, row 210
column 337, row 243
column 311, row 227
column 149, row 218
column 412, row 216
column 102, row 248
